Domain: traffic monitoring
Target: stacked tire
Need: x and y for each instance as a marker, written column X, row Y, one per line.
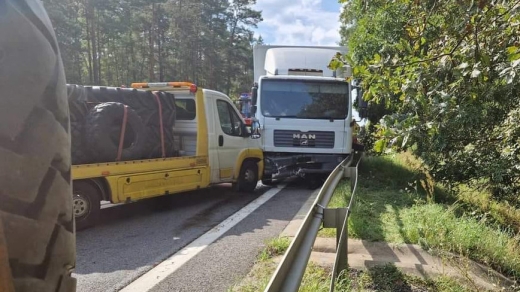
column 99, row 113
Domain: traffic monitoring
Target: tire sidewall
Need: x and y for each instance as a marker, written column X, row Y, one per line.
column 90, row 193
column 243, row 184
column 99, row 140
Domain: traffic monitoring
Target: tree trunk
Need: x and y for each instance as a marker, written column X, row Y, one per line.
column 88, row 20
column 93, row 44
column 98, row 49
column 151, row 42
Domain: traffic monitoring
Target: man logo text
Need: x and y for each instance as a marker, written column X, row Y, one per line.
column 304, row 136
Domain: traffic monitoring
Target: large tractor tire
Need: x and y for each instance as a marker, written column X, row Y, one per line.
column 103, row 128
column 143, row 102
column 77, row 98
column 153, row 142
column 37, row 224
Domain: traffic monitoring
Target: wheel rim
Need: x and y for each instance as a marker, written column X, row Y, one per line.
column 81, row 206
column 249, row 175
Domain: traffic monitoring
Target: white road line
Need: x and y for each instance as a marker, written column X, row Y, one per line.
column 173, row 263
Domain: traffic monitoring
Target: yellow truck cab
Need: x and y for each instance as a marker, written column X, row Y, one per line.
column 214, row 146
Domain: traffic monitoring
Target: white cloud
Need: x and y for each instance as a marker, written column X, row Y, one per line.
column 298, row 22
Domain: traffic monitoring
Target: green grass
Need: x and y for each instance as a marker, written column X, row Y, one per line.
column 391, row 205
column 389, row 278
column 274, row 247
column 397, row 202
column 317, row 279
column 499, row 214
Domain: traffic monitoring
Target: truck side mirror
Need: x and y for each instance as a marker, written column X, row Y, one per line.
column 254, row 94
column 255, row 130
column 362, row 104
column 253, row 110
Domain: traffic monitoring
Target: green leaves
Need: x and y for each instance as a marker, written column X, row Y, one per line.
column 443, row 79
column 513, row 53
column 336, row 62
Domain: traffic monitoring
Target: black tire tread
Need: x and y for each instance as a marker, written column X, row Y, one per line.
column 35, row 190
column 90, row 190
column 242, row 184
column 77, row 98
column 142, row 102
column 102, row 148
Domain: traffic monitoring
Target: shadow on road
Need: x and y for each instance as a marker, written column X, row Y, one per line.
column 134, row 237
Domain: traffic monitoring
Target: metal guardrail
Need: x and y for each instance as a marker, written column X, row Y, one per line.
column 289, row 273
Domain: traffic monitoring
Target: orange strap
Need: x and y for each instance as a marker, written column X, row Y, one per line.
column 122, row 135
column 155, row 93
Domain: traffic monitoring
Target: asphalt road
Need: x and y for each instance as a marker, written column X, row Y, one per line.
column 228, row 260
column 131, row 239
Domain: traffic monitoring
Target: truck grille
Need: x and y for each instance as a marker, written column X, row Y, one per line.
column 311, row 139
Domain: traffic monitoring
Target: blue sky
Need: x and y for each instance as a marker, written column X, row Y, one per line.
column 299, row 22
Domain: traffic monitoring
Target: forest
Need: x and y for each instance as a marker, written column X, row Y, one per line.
column 442, row 81
column 117, row 42
column 441, row 76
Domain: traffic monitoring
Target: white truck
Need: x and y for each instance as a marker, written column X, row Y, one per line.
column 304, row 110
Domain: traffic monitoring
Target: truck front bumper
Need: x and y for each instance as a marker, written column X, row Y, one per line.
column 279, row 165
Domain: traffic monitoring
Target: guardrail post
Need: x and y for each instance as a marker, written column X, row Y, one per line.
column 334, row 218
column 342, row 249
column 289, row 273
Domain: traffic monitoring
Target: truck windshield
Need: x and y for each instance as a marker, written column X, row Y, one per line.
column 304, row 99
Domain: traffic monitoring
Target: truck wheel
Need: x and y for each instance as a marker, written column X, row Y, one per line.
column 37, row 243
column 248, row 176
column 103, row 129
column 86, row 202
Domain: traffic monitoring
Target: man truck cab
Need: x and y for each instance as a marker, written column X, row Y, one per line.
column 304, row 108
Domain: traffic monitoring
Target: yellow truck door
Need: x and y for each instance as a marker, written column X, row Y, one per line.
column 229, row 130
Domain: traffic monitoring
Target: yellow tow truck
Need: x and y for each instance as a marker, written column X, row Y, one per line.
column 214, row 146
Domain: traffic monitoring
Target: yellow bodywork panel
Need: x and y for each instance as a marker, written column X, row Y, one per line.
column 135, row 180
column 86, row 171
column 248, row 153
column 202, row 128
column 152, row 184
column 226, row 173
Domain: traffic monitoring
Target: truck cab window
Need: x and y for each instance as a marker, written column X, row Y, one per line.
column 230, row 122
column 185, row 109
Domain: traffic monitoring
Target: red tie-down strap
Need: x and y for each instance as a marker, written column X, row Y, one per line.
column 122, row 135
column 155, row 93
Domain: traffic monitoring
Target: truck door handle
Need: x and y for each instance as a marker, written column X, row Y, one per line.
column 220, row 140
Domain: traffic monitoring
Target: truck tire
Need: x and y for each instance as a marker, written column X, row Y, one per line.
column 86, row 200
column 248, row 177
column 103, row 129
column 79, row 154
column 77, row 98
column 153, row 142
column 37, row 231
column 143, row 102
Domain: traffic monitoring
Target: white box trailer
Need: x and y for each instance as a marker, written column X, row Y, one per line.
column 277, row 60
